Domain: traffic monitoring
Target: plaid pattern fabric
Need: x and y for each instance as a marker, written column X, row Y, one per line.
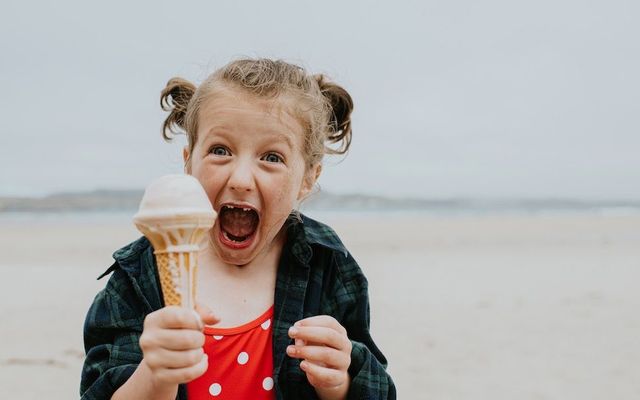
column 316, row 276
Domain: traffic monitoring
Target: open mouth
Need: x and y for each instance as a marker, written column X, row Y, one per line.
column 238, row 225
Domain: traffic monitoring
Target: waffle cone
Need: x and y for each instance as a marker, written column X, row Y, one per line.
column 178, row 283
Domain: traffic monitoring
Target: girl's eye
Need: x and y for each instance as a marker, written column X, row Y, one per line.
column 219, row 151
column 272, row 158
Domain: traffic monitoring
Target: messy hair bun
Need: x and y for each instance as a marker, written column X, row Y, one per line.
column 175, row 99
column 341, row 105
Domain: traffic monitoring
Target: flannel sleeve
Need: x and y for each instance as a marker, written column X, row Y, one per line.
column 111, row 333
column 369, row 378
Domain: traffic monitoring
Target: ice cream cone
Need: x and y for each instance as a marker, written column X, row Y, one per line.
column 175, row 214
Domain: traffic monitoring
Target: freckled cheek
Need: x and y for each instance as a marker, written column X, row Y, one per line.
column 280, row 194
column 275, row 195
column 212, row 183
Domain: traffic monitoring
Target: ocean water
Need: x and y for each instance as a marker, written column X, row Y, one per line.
column 91, row 217
column 126, row 216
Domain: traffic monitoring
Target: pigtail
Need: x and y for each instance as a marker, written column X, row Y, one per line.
column 340, row 121
column 175, row 98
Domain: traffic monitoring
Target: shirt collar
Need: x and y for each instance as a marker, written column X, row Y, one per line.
column 303, row 233
column 129, row 257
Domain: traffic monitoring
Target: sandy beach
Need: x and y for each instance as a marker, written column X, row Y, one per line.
column 464, row 307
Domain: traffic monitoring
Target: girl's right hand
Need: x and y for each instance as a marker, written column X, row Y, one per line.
column 171, row 344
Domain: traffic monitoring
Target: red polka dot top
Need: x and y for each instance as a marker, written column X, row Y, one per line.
column 240, row 362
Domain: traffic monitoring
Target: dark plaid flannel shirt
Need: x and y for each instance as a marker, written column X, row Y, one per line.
column 316, row 276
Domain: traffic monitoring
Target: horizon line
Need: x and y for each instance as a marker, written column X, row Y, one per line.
column 315, row 194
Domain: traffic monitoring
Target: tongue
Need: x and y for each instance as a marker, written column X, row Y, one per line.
column 238, row 222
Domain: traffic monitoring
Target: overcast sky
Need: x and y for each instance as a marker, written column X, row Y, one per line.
column 453, row 98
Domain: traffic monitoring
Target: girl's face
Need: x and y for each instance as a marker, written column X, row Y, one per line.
column 249, row 159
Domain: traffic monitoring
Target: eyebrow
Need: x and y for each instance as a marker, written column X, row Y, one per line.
column 271, row 136
column 284, row 136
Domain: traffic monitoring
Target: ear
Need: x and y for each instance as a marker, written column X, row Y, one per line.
column 310, row 179
column 186, row 157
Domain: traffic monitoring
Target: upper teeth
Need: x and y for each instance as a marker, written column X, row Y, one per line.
column 243, row 208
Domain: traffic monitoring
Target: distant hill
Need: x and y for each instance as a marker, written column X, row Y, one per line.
column 128, row 200
column 107, row 200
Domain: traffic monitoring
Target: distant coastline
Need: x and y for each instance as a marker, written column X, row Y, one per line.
column 128, row 200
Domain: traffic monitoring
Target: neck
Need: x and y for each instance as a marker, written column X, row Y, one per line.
column 269, row 256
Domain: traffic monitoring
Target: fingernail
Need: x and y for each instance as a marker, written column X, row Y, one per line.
column 291, row 350
column 293, row 331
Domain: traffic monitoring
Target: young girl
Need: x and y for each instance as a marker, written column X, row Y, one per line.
column 289, row 309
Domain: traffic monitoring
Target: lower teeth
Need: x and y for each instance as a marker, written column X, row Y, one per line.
column 237, row 239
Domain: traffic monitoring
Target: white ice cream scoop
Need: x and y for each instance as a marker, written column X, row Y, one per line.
column 175, row 213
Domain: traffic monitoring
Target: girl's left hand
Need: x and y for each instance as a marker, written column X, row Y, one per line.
column 323, row 345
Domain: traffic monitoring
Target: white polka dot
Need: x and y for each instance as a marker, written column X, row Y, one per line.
column 243, row 358
column 267, row 383
column 218, row 337
column 266, row 324
column 215, row 389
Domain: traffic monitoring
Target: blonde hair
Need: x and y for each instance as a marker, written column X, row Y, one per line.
column 321, row 106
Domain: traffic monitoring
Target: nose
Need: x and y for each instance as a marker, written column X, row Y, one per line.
column 242, row 178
